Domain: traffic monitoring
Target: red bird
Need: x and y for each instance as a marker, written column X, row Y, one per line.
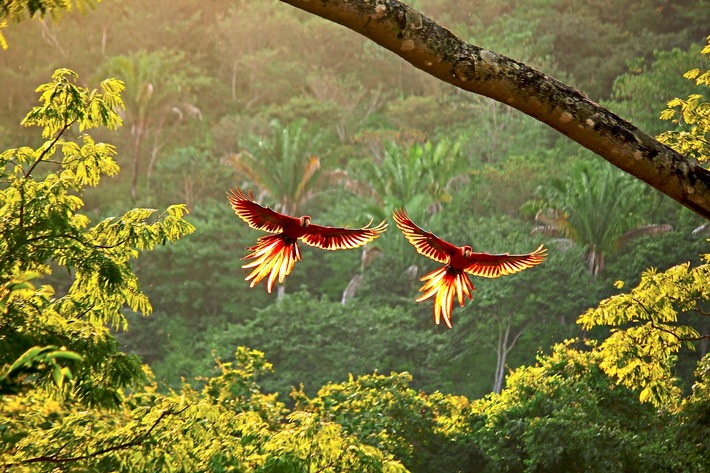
column 451, row 278
column 275, row 255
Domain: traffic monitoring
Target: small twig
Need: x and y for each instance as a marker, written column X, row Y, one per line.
column 702, row 312
column 334, row 462
column 34, row 165
column 311, row 447
column 680, row 339
column 46, row 150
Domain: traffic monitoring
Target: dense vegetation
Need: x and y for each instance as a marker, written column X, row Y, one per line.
column 593, row 361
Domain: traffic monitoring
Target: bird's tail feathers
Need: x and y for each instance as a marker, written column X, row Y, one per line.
column 273, row 256
column 446, row 283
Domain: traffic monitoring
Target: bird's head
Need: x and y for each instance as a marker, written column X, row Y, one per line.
column 305, row 221
column 467, row 250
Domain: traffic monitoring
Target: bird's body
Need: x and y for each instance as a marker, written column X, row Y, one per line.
column 275, row 255
column 451, row 280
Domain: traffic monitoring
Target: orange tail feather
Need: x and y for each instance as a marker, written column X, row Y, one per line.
column 445, row 283
column 273, row 256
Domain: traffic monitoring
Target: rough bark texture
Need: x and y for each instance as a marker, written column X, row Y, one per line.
column 435, row 50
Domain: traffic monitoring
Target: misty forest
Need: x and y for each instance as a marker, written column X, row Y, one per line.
column 153, row 318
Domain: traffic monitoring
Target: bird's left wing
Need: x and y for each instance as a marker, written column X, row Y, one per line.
column 255, row 215
column 336, row 238
column 426, row 243
column 493, row 266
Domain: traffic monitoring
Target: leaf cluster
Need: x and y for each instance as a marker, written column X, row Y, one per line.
column 650, row 324
column 692, row 117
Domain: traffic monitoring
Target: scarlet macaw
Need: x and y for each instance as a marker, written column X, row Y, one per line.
column 275, row 255
column 458, row 260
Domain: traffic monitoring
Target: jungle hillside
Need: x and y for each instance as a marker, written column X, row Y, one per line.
column 131, row 341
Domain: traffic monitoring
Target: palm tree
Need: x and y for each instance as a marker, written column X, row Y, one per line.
column 412, row 174
column 158, row 86
column 594, row 208
column 285, row 166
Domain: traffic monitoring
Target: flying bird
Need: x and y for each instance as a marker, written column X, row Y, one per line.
column 459, row 261
column 275, row 255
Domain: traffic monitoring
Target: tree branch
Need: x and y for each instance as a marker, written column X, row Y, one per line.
column 438, row 52
column 75, row 238
column 54, row 458
column 665, row 330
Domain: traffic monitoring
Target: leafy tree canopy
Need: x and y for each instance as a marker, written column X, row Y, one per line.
column 43, row 231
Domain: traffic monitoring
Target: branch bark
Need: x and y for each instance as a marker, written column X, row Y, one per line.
column 438, row 52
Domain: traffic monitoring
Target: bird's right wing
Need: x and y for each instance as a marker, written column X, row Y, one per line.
column 426, row 243
column 493, row 266
column 255, row 215
column 337, row 238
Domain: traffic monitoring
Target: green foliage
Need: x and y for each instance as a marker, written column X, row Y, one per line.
column 235, row 385
column 229, row 426
column 652, row 321
column 192, row 174
column 328, row 340
column 565, row 414
column 693, row 425
column 692, row 116
column 647, row 87
column 426, row 432
column 31, row 362
column 160, row 90
column 42, row 229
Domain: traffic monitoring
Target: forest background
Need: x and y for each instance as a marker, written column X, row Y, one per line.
column 315, row 119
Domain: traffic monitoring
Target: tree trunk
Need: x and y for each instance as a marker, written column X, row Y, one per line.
column 435, row 50
column 501, row 355
column 502, row 350
column 138, row 131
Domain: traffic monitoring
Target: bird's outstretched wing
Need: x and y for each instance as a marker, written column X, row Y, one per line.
column 426, row 243
column 255, row 215
column 337, row 238
column 493, row 266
